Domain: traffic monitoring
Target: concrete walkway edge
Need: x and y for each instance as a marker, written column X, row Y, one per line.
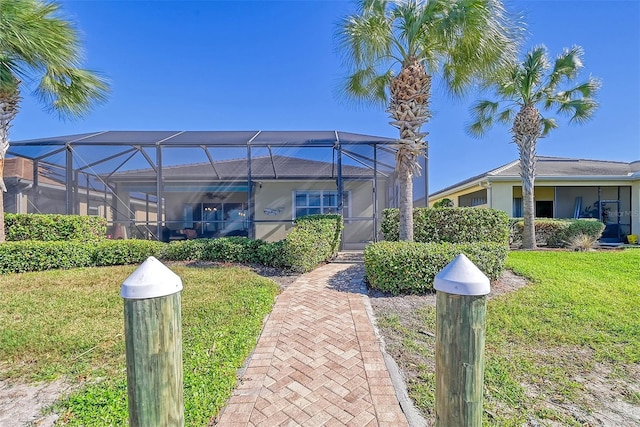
column 414, row 418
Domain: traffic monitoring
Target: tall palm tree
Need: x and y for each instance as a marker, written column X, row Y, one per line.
column 393, row 49
column 38, row 44
column 522, row 90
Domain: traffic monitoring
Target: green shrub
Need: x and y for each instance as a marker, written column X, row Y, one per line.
column 54, row 227
column 184, row 250
column 410, row 267
column 223, row 249
column 554, row 232
column 122, row 252
column 453, row 225
column 581, row 243
column 444, row 203
column 31, row 255
column 232, row 249
column 588, row 227
column 314, row 239
column 272, row 254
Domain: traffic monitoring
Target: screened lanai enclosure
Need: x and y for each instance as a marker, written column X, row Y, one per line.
column 169, row 185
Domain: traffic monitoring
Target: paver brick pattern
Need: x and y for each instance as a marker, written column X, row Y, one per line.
column 318, row 361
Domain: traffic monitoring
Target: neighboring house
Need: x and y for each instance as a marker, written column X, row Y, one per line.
column 213, row 183
column 564, row 188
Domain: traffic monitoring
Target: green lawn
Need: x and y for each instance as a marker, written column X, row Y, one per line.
column 69, row 323
column 579, row 318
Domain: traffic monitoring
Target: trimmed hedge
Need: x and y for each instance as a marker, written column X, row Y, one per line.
column 314, row 239
column 20, row 257
column 555, row 232
column 410, row 267
column 32, row 255
column 121, row 252
column 224, row 249
column 452, row 225
column 54, row 227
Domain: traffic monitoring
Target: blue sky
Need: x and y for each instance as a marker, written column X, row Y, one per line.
column 273, row 65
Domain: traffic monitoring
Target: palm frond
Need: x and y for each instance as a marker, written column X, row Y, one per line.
column 477, row 41
column 71, row 92
column 485, row 113
column 548, row 124
column 367, row 85
column 586, row 90
column 579, row 110
column 534, row 66
column 485, row 108
column 365, row 39
column 479, row 128
column 507, row 85
column 567, row 65
column 506, row 116
column 38, row 44
column 33, row 33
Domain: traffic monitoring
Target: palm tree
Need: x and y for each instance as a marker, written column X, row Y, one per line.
column 394, row 48
column 37, row 43
column 522, row 91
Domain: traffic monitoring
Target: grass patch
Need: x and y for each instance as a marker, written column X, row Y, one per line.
column 544, row 342
column 70, row 324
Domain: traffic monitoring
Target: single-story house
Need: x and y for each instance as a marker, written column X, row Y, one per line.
column 171, row 185
column 564, row 188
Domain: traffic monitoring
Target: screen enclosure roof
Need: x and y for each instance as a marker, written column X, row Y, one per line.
column 209, row 138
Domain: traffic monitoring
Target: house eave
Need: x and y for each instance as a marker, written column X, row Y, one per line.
column 567, row 178
column 471, row 184
column 488, row 179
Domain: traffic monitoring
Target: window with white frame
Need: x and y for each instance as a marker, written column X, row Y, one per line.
column 314, row 202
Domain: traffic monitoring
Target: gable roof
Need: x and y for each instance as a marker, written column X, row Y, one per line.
column 555, row 167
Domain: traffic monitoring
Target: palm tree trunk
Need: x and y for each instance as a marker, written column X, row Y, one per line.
column 408, row 109
column 405, row 181
column 9, row 99
column 2, row 233
column 527, row 149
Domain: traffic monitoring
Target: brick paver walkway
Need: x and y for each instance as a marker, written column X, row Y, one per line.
column 318, row 361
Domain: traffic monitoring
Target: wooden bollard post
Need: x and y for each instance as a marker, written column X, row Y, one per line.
column 461, row 306
column 153, row 338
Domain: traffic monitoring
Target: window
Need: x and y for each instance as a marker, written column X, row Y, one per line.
column 319, row 202
column 517, row 207
column 544, row 209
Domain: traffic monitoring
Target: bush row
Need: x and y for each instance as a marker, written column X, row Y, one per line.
column 24, row 256
column 313, row 240
column 53, row 227
column 452, row 225
column 555, row 232
column 410, row 267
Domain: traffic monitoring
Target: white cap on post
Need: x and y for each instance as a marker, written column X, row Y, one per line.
column 151, row 279
column 462, row 277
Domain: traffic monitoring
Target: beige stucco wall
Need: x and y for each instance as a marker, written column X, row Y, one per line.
column 500, row 196
column 277, row 197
